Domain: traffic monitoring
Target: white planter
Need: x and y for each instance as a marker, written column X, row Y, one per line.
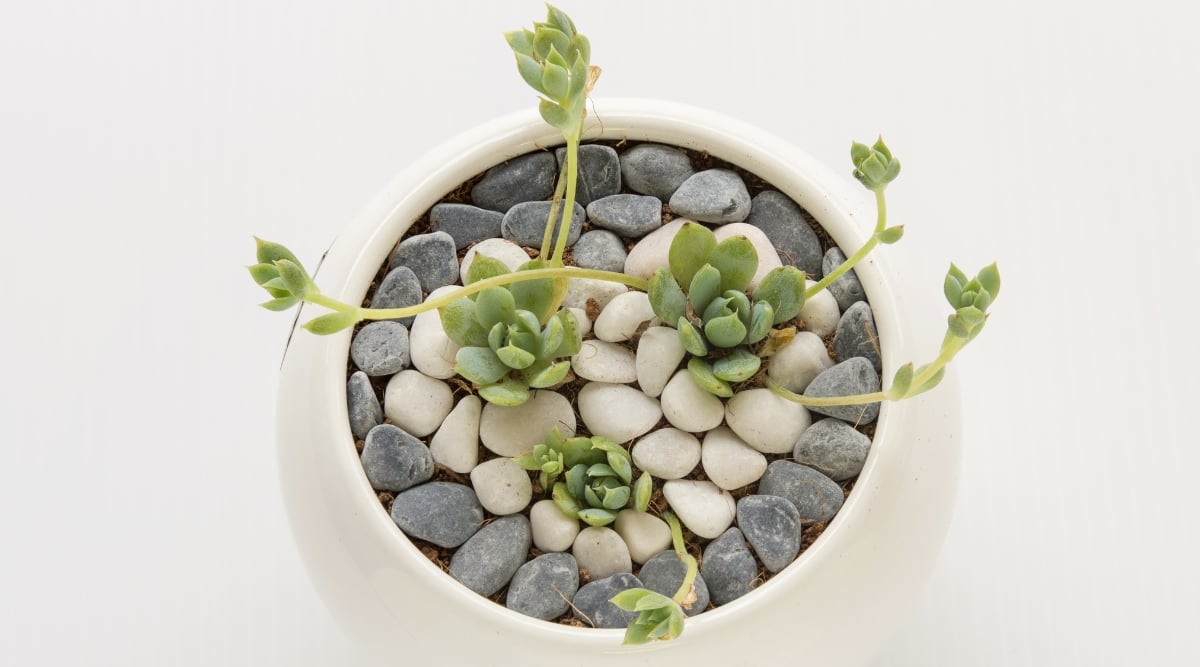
column 836, row 604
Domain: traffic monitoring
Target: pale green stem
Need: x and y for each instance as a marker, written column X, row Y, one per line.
column 677, row 541
column 548, row 234
column 560, row 245
column 880, row 223
column 328, row 302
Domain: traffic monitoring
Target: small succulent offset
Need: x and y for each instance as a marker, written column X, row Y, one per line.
column 659, row 616
column 598, row 477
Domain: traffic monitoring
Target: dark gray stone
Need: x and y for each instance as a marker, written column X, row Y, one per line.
column 444, row 513
column 486, row 561
column 521, row 179
column 664, row 574
column 728, row 567
column 600, row 249
column 464, row 223
column 713, row 195
column 599, row 172
column 394, row 460
column 655, row 170
column 630, row 216
column 834, row 448
column 398, row 289
column 771, row 525
column 380, row 348
column 815, row 496
column 524, row 224
column 788, row 228
column 856, row 335
column 432, row 257
column 855, row 375
column 592, row 606
column 543, row 587
column 363, row 405
column 847, row 289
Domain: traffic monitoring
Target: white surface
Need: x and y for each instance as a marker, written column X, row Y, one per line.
column 142, row 143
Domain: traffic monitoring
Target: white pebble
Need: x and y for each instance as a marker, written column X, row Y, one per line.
column 431, row 349
column 820, row 313
column 645, row 534
column 552, row 530
column 503, row 487
column 514, row 430
column 797, row 363
column 601, row 361
column 602, row 552
column 653, row 251
column 416, row 402
column 622, row 317
column 769, row 423
column 667, row 453
column 617, row 411
column 581, row 290
column 768, row 258
column 456, row 443
column 659, row 353
column 729, row 462
column 703, row 507
column 510, row 254
column 688, row 407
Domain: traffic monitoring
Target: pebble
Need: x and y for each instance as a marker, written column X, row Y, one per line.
column 601, row 250
column 653, row 250
column 486, row 561
column 856, row 335
column 525, row 223
column 509, row 254
column 416, row 402
column 394, row 460
column 362, row 405
column 788, row 228
column 834, row 448
column 728, row 461
column 623, row 317
column 654, row 169
column 398, row 289
column 852, row 376
column 432, row 351
column 514, row 430
column 582, row 290
column 815, row 496
column 712, row 195
column 847, row 289
column 444, row 513
column 601, row 361
column 701, row 505
column 688, row 407
column 464, row 223
column 552, row 530
column 770, row 424
column 617, row 411
column 664, row 574
column 526, row 178
column 543, row 587
column 728, row 567
column 592, row 605
column 599, row 172
column 503, row 486
column 631, row 216
column 645, row 534
column 667, row 453
column 768, row 259
column 380, row 348
column 797, row 363
column 820, row 312
column 601, row 552
column 659, row 354
column 433, row 257
column 456, row 443
column 772, row 527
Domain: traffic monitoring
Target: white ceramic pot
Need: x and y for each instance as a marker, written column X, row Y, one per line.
column 836, row 604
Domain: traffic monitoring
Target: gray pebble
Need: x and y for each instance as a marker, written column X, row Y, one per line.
column 524, row 224
column 363, row 405
column 815, row 496
column 486, row 561
column 789, row 229
column 847, row 289
column 444, row 513
column 713, row 195
column 654, row 169
column 398, row 289
column 664, row 574
column 543, row 587
column 833, row 447
column 856, row 335
column 630, row 216
column 592, row 606
column 526, row 178
column 855, row 375
column 394, row 460
column 728, row 567
column 599, row 172
column 432, row 257
column 380, row 348
column 771, row 525
column 464, row 223
column 600, row 249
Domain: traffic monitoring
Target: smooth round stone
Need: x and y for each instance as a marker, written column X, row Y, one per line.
column 728, row 567
column 543, row 587
column 789, row 229
column 456, row 443
column 768, row 259
column 833, row 447
column 362, row 405
column 525, row 223
column 728, row 461
column 432, row 351
column 601, row 250
column 848, row 378
column 416, row 402
column 432, row 257
column 659, row 354
column 526, row 178
column 631, row 216
column 601, row 361
column 380, row 348
column 654, row 169
column 510, row 255
column 768, row 423
column 815, row 496
column 592, row 605
column 667, row 453
column 653, row 251
column 394, row 460
column 503, row 486
column 444, row 513
column 772, row 527
column 796, row 364
column 464, row 223
column 486, row 561
column 688, row 407
column 398, row 289
column 846, row 289
column 664, row 574
column 856, row 335
column 820, row 312
column 644, row 534
column 601, row 552
column 599, row 172
column 552, row 530
column 702, row 506
column 713, row 195
column 617, row 411
column 581, row 320
column 622, row 317
column 582, row 290
column 514, row 430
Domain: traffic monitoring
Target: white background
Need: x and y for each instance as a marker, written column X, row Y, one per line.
column 142, row 143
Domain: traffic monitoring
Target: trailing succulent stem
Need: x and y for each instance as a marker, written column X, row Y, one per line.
column 659, row 616
column 598, row 477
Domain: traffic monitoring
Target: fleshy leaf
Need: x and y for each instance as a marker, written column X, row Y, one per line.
column 554, row 81
column 520, row 41
column 691, row 338
column 552, row 338
column 616, row 498
column 572, row 340
column 621, row 466
column 479, row 365
column 737, row 260
column 702, row 374
column 515, row 357
column 593, row 516
column 493, row 306
column 891, row 234
column 901, row 382
column 281, row 303
column 294, row 277
column 740, row 304
column 726, row 331
column 269, row 252
column 690, row 250
column 738, row 366
column 508, row 391
column 704, row 287
column 559, row 19
column 989, row 278
column 628, row 599
column 332, row 322
column 540, row 376
column 642, row 491
column 953, row 289
column 263, row 273
column 483, row 267
column 530, row 70
column 761, row 318
column 783, row 288
column 460, row 325
column 565, row 501
column 666, row 296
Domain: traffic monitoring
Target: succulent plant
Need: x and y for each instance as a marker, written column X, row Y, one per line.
column 598, row 480
column 557, row 454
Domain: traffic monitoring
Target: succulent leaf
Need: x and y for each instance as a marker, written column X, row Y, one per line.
column 690, row 250
column 545, row 374
column 702, row 373
column 726, row 331
column 737, row 260
column 483, row 267
column 332, row 322
column 666, row 296
column 761, row 318
column 737, row 366
column 480, row 365
column 704, row 287
column 783, row 287
column 691, row 338
column 508, row 391
column 493, row 306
